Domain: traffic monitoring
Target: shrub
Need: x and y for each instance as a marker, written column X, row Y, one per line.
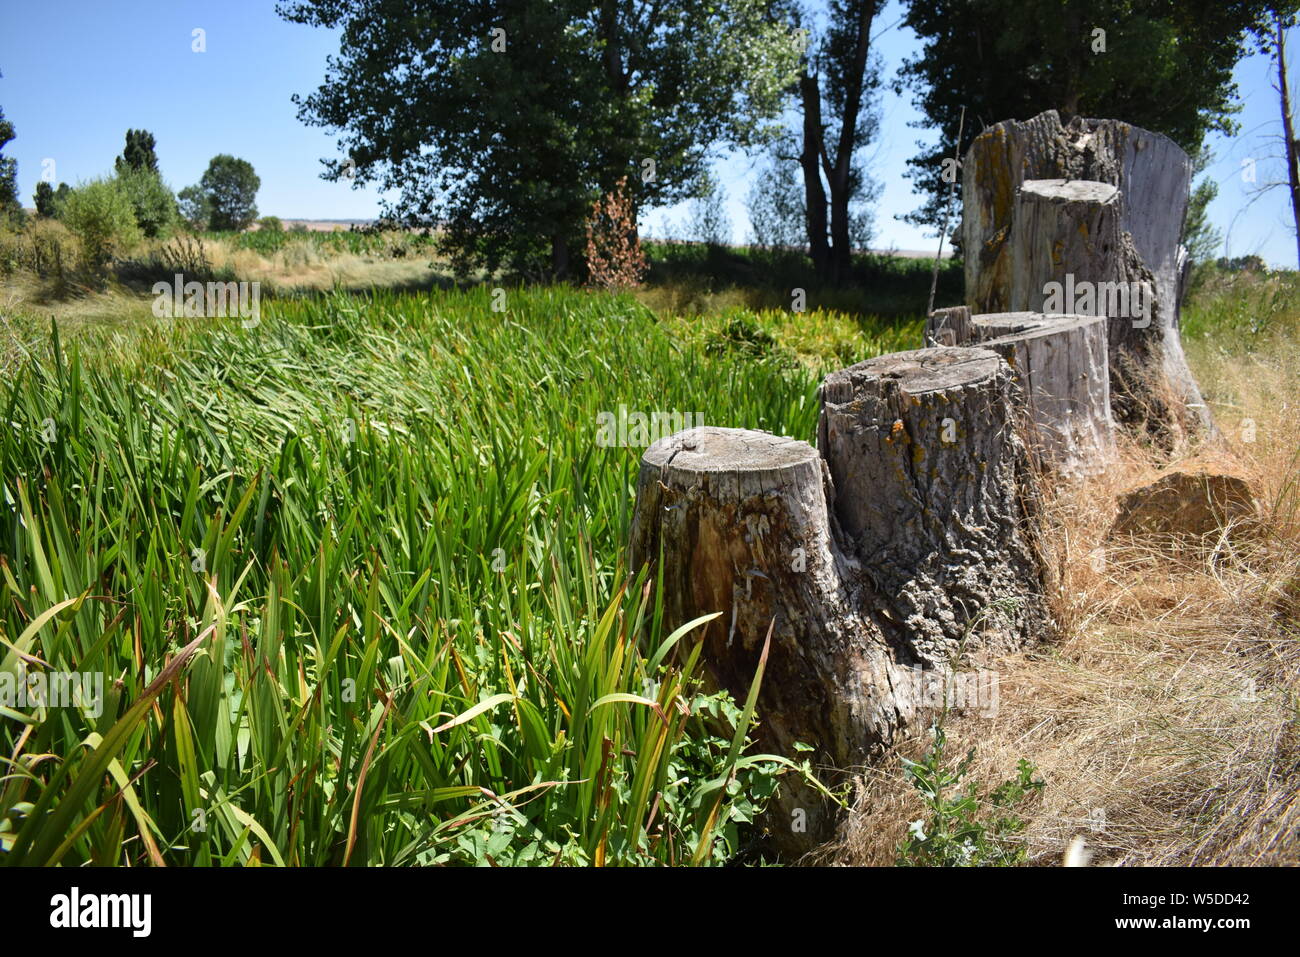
column 614, row 256
column 271, row 224
column 100, row 215
column 154, row 204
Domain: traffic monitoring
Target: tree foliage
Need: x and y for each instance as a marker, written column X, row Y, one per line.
column 229, row 187
column 140, row 153
column 502, row 123
column 1165, row 65
column 101, row 216
column 153, row 202
column 10, row 207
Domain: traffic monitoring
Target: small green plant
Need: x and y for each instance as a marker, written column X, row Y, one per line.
column 956, row 831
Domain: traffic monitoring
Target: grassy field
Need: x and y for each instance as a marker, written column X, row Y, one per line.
column 354, row 579
column 386, row 531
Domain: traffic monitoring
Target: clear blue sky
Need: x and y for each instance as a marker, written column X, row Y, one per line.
column 78, row 73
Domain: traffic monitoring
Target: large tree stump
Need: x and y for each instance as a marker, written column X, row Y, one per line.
column 900, row 570
column 935, row 497
column 1150, row 383
column 1060, row 364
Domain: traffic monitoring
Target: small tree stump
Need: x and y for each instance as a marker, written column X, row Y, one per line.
column 739, row 520
column 948, row 327
column 935, row 497
column 1060, row 364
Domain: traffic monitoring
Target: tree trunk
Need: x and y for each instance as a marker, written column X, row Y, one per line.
column 1288, row 130
column 935, row 494
column 840, row 174
column 810, row 160
column 1070, row 255
column 1060, row 364
column 902, row 569
column 1153, row 176
column 559, row 256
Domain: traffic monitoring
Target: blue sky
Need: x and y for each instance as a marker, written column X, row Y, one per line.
column 78, row 73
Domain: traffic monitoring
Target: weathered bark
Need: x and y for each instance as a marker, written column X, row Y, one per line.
column 931, row 536
column 740, row 520
column 1060, row 365
column 1153, row 176
column 935, row 497
column 948, row 327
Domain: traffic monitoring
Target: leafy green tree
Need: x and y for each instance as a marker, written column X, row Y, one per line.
column 140, row 153
column 195, row 207
column 837, row 99
column 100, row 215
column 1165, row 65
column 501, row 124
column 230, row 187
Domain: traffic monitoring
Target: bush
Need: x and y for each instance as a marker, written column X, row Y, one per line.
column 614, row 256
column 271, row 224
column 100, row 215
column 153, row 202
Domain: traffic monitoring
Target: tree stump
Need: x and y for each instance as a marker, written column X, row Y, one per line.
column 740, row 522
column 935, row 497
column 745, row 523
column 1060, row 364
column 1151, row 385
column 948, row 327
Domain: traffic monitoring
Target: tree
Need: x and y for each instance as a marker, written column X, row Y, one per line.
column 832, row 146
column 835, row 95
column 775, row 204
column 1199, row 235
column 709, row 220
column 195, row 207
column 139, row 153
column 229, row 187
column 44, row 199
column 153, row 202
column 1164, row 65
column 10, row 208
column 501, row 124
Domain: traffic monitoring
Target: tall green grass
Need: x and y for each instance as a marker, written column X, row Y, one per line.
column 354, row 581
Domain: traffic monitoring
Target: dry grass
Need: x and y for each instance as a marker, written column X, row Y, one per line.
column 1164, row 719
